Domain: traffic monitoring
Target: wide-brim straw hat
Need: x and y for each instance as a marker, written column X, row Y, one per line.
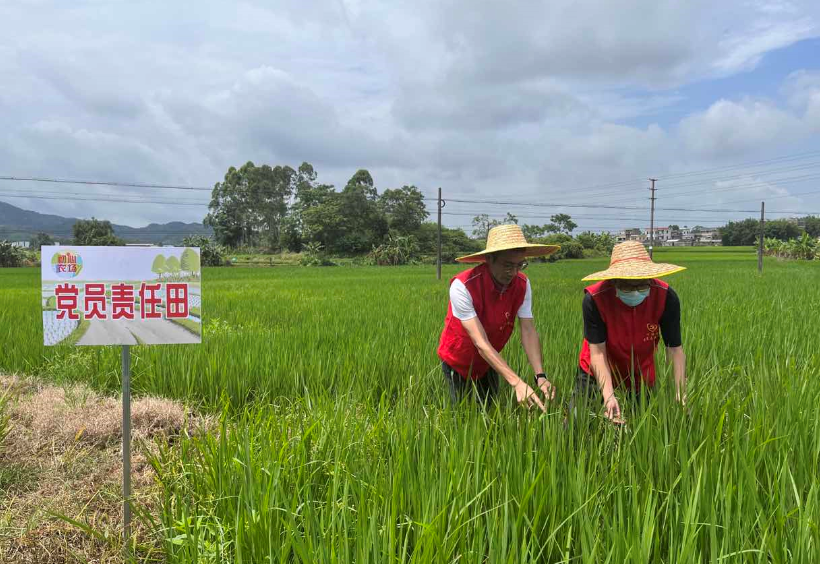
column 507, row 238
column 631, row 261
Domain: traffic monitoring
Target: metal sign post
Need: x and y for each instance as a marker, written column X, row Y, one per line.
column 126, row 444
column 124, row 296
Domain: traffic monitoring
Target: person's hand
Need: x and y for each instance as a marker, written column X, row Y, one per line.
column 613, row 410
column 547, row 388
column 526, row 396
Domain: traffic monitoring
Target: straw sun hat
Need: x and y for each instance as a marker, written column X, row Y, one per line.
column 506, row 238
column 631, row 261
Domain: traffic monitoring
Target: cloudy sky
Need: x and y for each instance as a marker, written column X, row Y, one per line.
column 559, row 103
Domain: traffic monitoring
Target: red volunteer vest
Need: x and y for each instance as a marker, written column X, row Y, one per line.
column 632, row 333
column 496, row 311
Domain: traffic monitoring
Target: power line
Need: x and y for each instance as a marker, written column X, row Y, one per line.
column 795, row 156
column 595, row 217
column 625, row 183
column 101, row 183
column 604, row 206
column 792, row 168
column 705, row 182
column 767, row 198
column 756, row 184
column 115, row 200
column 34, row 193
column 488, row 202
column 784, row 158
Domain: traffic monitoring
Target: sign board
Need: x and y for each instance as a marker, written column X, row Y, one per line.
column 121, row 295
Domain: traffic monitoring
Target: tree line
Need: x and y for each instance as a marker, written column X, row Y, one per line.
column 280, row 208
column 747, row 232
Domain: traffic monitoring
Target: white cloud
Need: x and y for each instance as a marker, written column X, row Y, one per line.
column 527, row 100
column 731, row 129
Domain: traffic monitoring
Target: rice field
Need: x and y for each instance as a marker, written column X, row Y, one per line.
column 337, row 443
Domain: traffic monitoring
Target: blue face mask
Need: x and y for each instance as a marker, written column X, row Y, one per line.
column 634, row 298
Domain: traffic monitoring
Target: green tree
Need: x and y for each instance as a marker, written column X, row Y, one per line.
column 189, row 261
column 404, row 209
column 172, row 266
column 740, row 233
column 563, row 222
column 781, row 229
column 40, row 240
column 248, row 206
column 508, row 219
column 158, row 267
column 481, row 226
column 454, row 242
column 95, row 232
column 323, row 223
column 363, row 223
column 812, row 226
column 210, row 254
column 803, row 247
column 10, row 255
column 308, row 194
column 588, row 239
column 536, row 231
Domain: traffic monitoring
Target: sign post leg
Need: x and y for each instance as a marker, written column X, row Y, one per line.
column 126, row 443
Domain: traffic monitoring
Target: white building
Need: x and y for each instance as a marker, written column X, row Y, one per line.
column 661, row 234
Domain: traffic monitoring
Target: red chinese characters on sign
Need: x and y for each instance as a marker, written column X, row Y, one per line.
column 95, row 301
column 176, row 296
column 122, row 301
column 123, row 298
column 149, row 301
column 67, row 298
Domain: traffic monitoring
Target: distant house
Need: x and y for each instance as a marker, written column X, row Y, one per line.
column 20, row 244
column 661, row 234
column 706, row 237
column 632, row 234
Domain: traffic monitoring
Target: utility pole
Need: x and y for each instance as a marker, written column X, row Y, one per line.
column 652, row 218
column 760, row 244
column 438, row 262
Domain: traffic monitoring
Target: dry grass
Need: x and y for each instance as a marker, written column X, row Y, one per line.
column 64, row 456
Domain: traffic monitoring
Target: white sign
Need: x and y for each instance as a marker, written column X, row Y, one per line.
column 121, row 295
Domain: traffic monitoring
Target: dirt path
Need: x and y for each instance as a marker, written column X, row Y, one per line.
column 158, row 331
column 104, row 331
column 63, row 455
column 149, row 331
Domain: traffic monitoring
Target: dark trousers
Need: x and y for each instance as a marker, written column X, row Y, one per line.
column 484, row 388
column 587, row 394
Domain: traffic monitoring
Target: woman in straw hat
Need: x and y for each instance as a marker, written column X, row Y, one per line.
column 484, row 302
column 625, row 314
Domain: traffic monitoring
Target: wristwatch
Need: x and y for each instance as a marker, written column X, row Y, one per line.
column 539, row 376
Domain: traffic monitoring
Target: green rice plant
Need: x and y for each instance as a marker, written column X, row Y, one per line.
column 337, row 443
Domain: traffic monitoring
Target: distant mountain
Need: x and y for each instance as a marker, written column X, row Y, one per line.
column 17, row 224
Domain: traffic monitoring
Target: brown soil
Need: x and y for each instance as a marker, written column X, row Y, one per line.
column 63, row 455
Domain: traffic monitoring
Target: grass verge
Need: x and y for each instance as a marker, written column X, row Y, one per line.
column 188, row 325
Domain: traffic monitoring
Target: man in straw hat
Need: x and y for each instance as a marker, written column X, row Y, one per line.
column 625, row 314
column 484, row 302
